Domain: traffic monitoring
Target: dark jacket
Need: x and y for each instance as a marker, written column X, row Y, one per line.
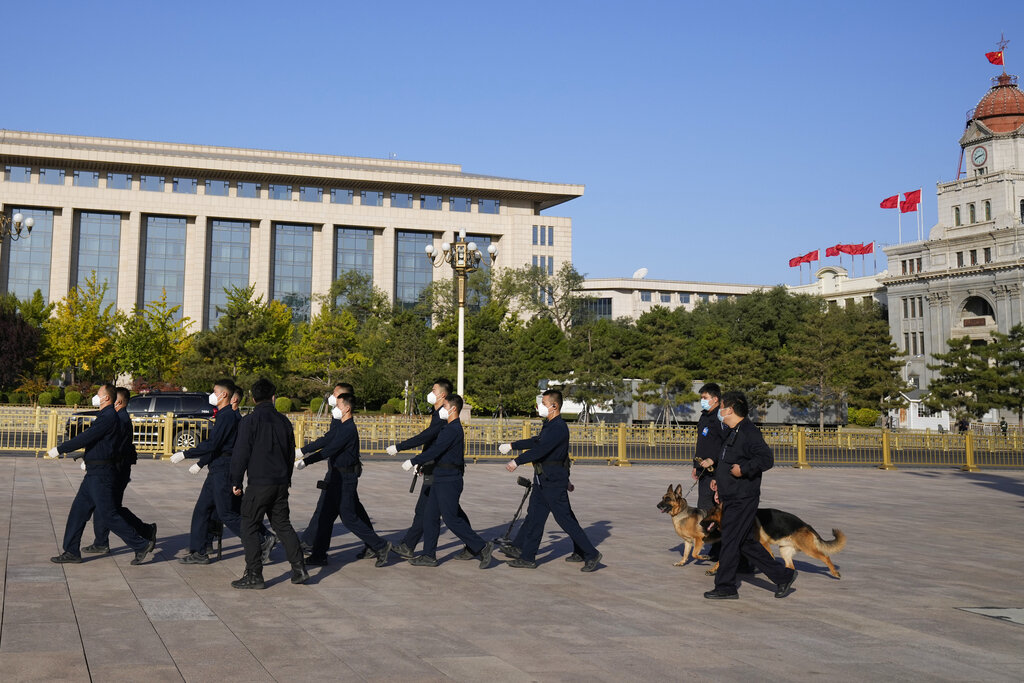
column 341, row 449
column 100, row 440
column 549, row 449
column 314, row 446
column 447, row 452
column 746, row 447
column 264, row 448
column 711, row 435
column 221, row 442
column 426, row 438
column 126, row 444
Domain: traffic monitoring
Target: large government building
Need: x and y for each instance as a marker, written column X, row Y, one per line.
column 149, row 217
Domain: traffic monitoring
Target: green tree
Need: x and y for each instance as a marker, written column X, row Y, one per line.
column 326, row 350
column 660, row 360
column 1007, row 361
column 966, row 381
column 19, row 342
column 872, row 359
column 152, row 342
column 555, row 297
column 35, row 310
column 355, row 293
column 815, row 361
column 80, row 336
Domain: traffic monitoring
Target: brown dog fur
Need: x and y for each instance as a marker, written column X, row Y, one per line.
column 687, row 521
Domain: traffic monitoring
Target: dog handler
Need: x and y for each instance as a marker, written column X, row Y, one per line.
column 738, row 482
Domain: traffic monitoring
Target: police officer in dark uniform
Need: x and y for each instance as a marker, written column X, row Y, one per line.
column 549, row 455
column 264, row 450
column 215, row 498
column 96, row 493
column 342, row 454
column 448, row 455
column 438, row 395
column 127, row 456
column 309, row 535
column 745, row 456
column 711, row 433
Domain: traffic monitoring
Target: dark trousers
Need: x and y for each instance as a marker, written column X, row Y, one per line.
column 529, row 527
column 740, row 537
column 552, row 497
column 96, row 497
column 121, row 479
column 443, row 504
column 415, row 532
column 340, row 500
column 272, row 501
column 309, row 535
column 705, row 496
column 215, row 499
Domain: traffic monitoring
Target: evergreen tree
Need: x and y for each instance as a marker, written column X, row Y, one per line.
column 965, row 383
column 19, row 342
column 1007, row 361
column 815, row 361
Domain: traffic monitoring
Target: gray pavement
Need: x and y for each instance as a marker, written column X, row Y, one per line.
column 925, row 547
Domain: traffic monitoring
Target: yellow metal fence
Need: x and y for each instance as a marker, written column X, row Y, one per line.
column 38, row 429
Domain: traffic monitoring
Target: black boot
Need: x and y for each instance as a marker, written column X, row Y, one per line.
column 250, row 580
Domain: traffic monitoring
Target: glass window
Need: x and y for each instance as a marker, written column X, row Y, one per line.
column 99, row 243
column 482, row 242
column 913, row 342
column 489, row 206
column 293, row 268
column 666, row 297
column 339, row 196
column 684, row 297
column 988, row 210
column 228, row 247
column 645, row 296
column 460, row 204
column 956, row 215
column 217, row 188
column 87, row 179
column 280, row 191
column 971, row 213
column 920, row 339
column 959, row 259
column 119, row 181
column 23, row 174
column 906, row 308
column 371, row 198
column 163, row 266
column 551, row 265
column 534, row 261
column 249, row 190
column 51, row 176
column 913, row 307
column 988, row 254
column 705, row 297
column 185, row 185
column 431, row 202
column 974, row 257
column 413, row 272
column 401, row 200
column 535, row 233
column 1022, row 211
column 353, row 251
column 28, row 258
column 151, row 183
column 543, row 235
column 311, row 194
column 919, row 268
column 595, row 309
column 906, row 342
column 551, row 235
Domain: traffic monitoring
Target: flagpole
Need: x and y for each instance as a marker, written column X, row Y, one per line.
column 899, row 221
column 920, row 215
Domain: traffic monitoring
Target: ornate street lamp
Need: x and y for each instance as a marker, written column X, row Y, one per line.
column 10, row 226
column 465, row 259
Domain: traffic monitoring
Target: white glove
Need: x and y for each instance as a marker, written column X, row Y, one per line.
column 392, row 450
column 407, row 465
column 178, row 457
column 194, row 469
column 52, row 453
column 300, row 464
column 298, row 453
column 505, row 448
column 83, row 466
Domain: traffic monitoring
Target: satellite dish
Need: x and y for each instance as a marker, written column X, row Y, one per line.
column 640, row 274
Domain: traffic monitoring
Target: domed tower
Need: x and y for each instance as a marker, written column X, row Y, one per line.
column 994, row 139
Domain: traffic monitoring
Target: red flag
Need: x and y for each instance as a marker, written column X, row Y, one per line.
column 914, row 196
column 806, row 258
column 995, row 58
column 868, row 248
column 796, row 261
column 834, row 251
column 890, row 202
column 908, row 206
column 859, row 249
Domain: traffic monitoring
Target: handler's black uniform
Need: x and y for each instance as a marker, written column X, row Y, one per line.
column 740, row 496
column 127, row 456
column 711, row 433
column 342, row 454
column 426, row 438
column 549, row 455
column 448, row 455
column 265, row 450
column 309, row 535
column 96, row 494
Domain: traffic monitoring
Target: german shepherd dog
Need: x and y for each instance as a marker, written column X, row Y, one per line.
column 687, row 521
column 791, row 534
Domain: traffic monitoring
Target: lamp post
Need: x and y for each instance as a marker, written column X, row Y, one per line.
column 465, row 259
column 10, row 226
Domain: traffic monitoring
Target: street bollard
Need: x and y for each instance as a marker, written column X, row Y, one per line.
column 622, row 460
column 969, row 466
column 886, row 452
column 801, row 450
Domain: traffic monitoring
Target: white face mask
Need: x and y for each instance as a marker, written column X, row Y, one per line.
column 542, row 410
column 96, row 401
column 431, row 398
column 213, row 400
column 443, row 413
column 336, row 413
column 332, row 400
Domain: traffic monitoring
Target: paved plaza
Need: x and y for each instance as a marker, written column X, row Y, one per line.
column 931, row 588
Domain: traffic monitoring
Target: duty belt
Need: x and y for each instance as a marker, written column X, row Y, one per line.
column 351, row 469
column 538, row 467
column 88, row 463
column 450, row 466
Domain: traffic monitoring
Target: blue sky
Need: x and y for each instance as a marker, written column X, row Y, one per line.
column 715, row 140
